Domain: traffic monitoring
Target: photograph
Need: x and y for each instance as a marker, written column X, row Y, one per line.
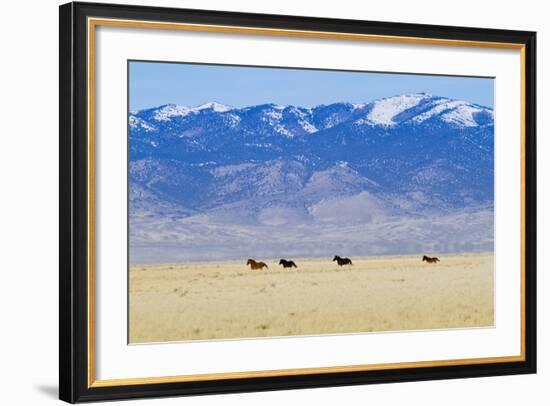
column 268, row 201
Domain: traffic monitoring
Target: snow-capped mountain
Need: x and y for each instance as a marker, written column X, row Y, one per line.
column 408, row 157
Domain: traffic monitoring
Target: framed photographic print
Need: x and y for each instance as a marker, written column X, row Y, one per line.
column 257, row 202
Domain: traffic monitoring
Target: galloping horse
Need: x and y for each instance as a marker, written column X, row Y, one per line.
column 342, row 261
column 287, row 264
column 256, row 265
column 430, row 260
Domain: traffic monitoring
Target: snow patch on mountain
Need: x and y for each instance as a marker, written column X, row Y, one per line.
column 308, row 127
column 168, row 111
column 233, row 120
column 214, row 106
column 303, row 121
column 136, row 122
column 463, row 115
column 383, row 111
column 283, row 131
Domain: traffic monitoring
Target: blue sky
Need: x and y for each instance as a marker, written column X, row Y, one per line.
column 153, row 84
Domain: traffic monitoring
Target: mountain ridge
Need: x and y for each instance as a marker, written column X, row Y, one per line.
column 379, row 110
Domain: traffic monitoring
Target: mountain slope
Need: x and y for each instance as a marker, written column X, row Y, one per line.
column 413, row 156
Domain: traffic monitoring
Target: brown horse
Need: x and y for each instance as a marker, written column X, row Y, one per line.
column 256, row 265
column 430, row 260
column 287, row 264
column 342, row 261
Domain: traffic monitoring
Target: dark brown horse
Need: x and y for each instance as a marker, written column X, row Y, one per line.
column 287, row 264
column 342, row 261
column 430, row 260
column 256, row 265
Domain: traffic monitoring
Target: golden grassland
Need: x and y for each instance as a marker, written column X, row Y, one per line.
column 221, row 300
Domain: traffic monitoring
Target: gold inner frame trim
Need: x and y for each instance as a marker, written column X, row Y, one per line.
column 94, row 22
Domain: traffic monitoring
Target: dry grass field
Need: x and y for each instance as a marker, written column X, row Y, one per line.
column 221, row 300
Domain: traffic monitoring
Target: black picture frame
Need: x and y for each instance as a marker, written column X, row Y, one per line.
column 74, row 385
